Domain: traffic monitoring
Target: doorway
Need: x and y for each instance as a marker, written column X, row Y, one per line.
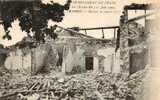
column 89, row 63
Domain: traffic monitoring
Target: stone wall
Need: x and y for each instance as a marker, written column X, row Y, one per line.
column 110, row 61
column 36, row 59
column 18, row 61
column 104, row 58
column 66, row 55
column 133, row 47
column 73, row 57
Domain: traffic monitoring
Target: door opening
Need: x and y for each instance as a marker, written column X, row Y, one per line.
column 89, row 63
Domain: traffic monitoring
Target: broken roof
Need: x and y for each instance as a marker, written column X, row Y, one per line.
column 72, row 36
column 135, row 6
column 71, row 32
column 75, row 34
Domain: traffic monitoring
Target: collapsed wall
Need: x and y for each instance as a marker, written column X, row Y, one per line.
column 133, row 47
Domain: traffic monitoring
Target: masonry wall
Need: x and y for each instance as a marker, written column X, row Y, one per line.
column 33, row 61
column 133, row 48
column 104, row 59
column 64, row 57
column 17, row 61
column 73, row 57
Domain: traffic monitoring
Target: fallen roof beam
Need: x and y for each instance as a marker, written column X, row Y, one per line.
column 100, row 28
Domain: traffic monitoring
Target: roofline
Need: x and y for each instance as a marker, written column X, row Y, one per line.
column 70, row 30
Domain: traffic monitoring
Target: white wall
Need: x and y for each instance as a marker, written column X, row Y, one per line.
column 17, row 61
column 72, row 59
column 111, row 61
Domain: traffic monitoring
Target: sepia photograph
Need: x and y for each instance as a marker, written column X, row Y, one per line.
column 79, row 50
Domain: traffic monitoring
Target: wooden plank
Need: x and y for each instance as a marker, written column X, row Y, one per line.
column 99, row 95
column 100, row 28
column 25, row 91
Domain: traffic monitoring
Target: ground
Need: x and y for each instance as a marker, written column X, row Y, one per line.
column 86, row 86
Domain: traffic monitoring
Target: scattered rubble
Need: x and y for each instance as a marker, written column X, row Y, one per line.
column 86, row 86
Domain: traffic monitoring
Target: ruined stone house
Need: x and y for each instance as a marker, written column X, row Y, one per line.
column 73, row 52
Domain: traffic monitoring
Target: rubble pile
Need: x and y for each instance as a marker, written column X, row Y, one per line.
column 136, row 83
column 3, row 71
column 86, row 86
column 10, row 84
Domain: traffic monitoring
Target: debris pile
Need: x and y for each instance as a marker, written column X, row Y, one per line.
column 3, row 71
column 86, row 86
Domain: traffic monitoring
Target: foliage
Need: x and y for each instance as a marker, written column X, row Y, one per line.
column 33, row 16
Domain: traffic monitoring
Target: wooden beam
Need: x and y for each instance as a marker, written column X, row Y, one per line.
column 145, row 12
column 114, row 33
column 139, row 17
column 102, row 34
column 99, row 28
column 85, row 32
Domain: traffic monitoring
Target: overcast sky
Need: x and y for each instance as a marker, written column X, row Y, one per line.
column 82, row 20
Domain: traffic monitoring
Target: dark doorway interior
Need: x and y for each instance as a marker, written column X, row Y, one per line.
column 138, row 61
column 89, row 63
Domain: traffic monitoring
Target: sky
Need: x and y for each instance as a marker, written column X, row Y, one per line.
column 82, row 20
